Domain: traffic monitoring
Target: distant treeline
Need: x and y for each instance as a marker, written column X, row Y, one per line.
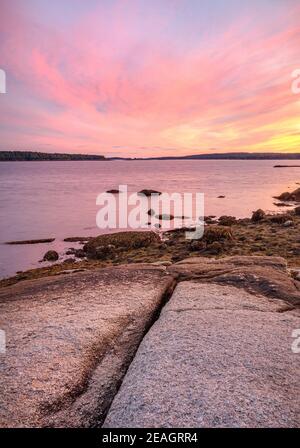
column 234, row 156
column 36, row 156
column 16, row 156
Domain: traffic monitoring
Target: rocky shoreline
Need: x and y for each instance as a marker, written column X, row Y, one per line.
column 203, row 342
column 142, row 329
column 262, row 234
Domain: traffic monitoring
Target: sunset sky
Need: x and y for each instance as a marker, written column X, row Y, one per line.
column 150, row 77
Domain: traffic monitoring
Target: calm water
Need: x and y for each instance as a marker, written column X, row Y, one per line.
column 58, row 199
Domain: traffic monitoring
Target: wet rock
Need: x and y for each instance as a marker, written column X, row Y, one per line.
column 209, row 219
column 219, row 233
column 288, row 223
column 293, row 196
column 282, row 204
column 286, row 166
column 197, row 245
column 113, row 191
column 165, row 217
column 148, row 192
column 40, row 241
column 77, row 239
column 214, row 248
column 279, row 219
column 51, row 255
column 258, row 215
column 79, row 253
column 182, row 217
column 104, row 252
column 70, row 251
column 297, row 211
column 120, row 241
column 227, row 220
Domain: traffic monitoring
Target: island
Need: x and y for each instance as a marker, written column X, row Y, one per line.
column 31, row 156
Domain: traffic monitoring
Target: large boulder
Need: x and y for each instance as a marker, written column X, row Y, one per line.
column 107, row 244
column 70, row 340
column 51, row 255
column 217, row 357
column 287, row 196
column 257, row 274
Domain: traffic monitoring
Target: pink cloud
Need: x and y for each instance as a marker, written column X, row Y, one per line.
column 104, row 82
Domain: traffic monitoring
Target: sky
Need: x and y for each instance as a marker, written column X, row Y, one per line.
column 144, row 78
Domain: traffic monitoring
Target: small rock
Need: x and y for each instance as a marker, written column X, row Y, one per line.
column 77, row 239
column 69, row 260
column 182, row 217
column 165, row 217
column 288, row 223
column 196, row 245
column 258, row 215
column 113, row 191
column 286, row 196
column 208, row 219
column 215, row 248
column 70, row 251
column 149, row 192
column 151, row 212
column 218, row 233
column 297, row 211
column 282, row 204
column 227, row 220
column 51, row 255
column 221, row 197
column 280, row 219
column 79, row 253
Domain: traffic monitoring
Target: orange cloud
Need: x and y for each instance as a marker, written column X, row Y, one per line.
column 106, row 85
